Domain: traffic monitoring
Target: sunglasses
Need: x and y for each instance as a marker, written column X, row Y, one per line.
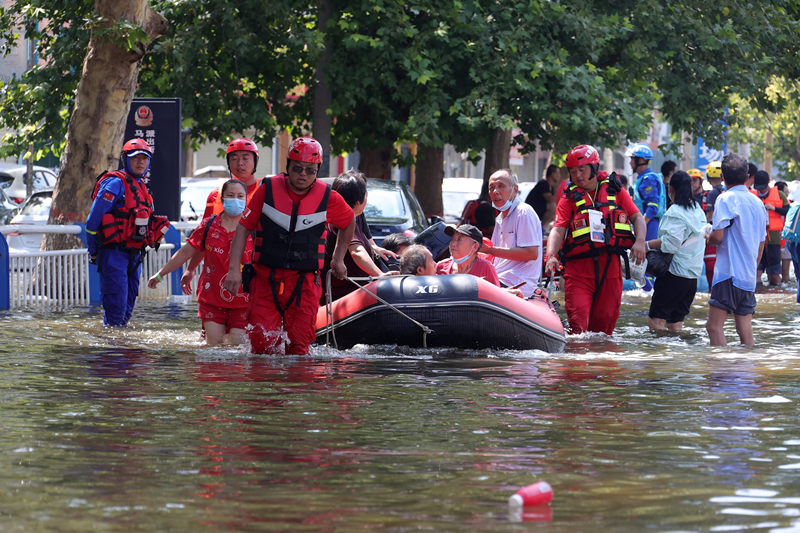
column 297, row 169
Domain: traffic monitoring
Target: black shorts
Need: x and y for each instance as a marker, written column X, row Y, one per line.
column 672, row 297
column 725, row 295
column 771, row 260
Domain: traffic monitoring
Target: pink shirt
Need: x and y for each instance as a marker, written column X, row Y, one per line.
column 480, row 268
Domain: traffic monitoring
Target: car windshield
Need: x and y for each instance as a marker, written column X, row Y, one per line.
column 38, row 205
column 385, row 204
column 454, row 202
column 193, row 200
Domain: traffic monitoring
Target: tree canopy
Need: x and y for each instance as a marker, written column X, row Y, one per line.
column 424, row 71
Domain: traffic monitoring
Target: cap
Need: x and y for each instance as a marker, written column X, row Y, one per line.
column 762, row 180
column 465, row 229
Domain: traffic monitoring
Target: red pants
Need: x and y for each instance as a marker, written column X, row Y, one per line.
column 299, row 319
column 584, row 312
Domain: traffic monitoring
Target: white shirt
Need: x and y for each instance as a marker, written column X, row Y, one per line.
column 518, row 227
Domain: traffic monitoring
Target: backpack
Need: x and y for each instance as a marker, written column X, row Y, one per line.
column 791, row 228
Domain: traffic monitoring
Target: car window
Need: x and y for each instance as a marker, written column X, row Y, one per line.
column 417, row 214
column 385, row 203
column 38, row 205
column 42, row 180
column 193, row 200
column 454, row 202
column 6, row 180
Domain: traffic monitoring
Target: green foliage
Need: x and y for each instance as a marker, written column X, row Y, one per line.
column 235, row 65
column 425, row 71
column 781, row 120
column 36, row 107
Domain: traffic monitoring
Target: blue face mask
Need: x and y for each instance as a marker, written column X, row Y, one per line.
column 233, row 206
column 509, row 204
column 459, row 261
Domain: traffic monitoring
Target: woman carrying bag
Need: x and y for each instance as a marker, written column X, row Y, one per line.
column 681, row 233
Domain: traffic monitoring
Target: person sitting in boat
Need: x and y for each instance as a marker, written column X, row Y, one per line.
column 417, row 260
column 396, row 242
column 596, row 222
column 465, row 241
column 517, row 235
column 360, row 257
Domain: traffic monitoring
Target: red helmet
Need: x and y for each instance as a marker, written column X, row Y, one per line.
column 136, row 144
column 306, row 149
column 582, row 155
column 242, row 144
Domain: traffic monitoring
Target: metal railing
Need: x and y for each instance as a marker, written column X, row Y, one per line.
column 64, row 278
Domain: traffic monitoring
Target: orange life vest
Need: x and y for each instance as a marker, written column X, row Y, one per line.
column 132, row 225
column 290, row 234
column 773, row 199
column 618, row 234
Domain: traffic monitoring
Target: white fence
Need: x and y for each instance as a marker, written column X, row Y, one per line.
column 61, row 278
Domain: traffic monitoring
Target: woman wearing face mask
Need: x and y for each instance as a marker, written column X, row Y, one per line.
column 220, row 311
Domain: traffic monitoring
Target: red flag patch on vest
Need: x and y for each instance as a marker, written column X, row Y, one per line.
column 108, row 197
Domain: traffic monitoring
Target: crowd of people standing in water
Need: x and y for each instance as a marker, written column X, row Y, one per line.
column 266, row 245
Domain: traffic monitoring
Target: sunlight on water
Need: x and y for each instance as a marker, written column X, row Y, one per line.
column 147, row 428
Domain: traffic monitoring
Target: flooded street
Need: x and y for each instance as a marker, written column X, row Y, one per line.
column 145, row 429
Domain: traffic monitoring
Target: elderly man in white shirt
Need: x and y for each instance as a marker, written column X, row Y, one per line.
column 517, row 236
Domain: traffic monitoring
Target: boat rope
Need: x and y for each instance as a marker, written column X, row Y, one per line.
column 329, row 308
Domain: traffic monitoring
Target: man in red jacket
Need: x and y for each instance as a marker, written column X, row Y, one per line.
column 287, row 215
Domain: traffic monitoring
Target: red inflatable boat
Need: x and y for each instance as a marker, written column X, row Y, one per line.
column 458, row 310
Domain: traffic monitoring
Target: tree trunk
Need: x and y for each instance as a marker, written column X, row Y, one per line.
column 496, row 153
column 376, row 163
column 430, row 173
column 102, row 102
column 321, row 118
column 496, row 157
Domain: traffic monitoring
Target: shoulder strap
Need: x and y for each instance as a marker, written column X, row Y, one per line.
column 205, row 231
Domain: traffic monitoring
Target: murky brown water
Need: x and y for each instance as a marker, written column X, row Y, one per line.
column 146, row 430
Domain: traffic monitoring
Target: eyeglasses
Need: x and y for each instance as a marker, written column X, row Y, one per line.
column 297, row 169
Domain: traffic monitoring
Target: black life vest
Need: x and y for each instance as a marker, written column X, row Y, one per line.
column 290, row 234
column 618, row 235
column 119, row 226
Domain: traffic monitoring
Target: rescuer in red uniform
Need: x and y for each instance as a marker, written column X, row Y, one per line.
column 596, row 223
column 287, row 214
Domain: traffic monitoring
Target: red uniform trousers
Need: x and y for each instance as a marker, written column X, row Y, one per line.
column 299, row 318
column 584, row 311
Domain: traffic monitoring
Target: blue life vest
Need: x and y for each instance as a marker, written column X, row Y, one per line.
column 662, row 193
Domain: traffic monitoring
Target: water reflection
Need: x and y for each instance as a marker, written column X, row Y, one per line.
column 147, row 428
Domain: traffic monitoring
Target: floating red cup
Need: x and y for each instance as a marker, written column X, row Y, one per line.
column 539, row 493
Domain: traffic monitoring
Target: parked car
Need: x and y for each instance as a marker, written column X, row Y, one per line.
column 7, row 208
column 392, row 207
column 194, row 194
column 456, row 192
column 12, row 181
column 35, row 210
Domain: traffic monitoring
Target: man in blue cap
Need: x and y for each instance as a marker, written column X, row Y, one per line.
column 119, row 227
column 648, row 191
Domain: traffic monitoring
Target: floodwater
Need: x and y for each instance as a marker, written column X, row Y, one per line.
column 144, row 429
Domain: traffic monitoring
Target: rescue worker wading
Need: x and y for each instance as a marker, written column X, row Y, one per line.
column 120, row 226
column 288, row 213
column 591, row 230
